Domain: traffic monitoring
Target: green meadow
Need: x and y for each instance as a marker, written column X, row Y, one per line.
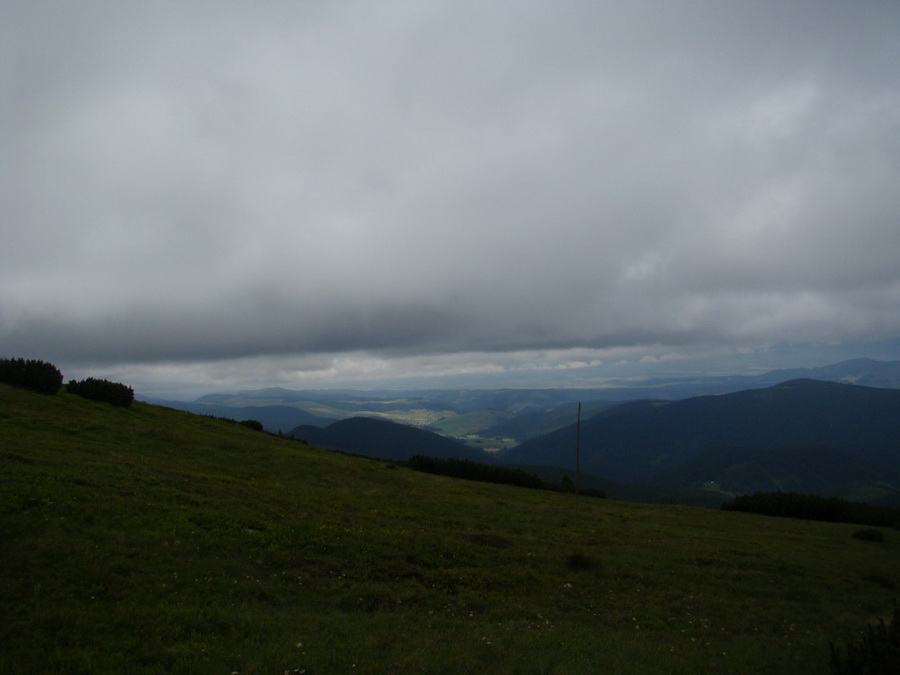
column 148, row 540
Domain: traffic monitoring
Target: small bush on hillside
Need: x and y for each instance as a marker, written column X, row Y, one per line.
column 44, row 378
column 102, row 390
column 878, row 653
column 252, row 424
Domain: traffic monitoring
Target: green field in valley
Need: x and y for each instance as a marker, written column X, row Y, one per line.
column 148, row 540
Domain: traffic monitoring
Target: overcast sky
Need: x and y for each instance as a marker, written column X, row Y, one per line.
column 217, row 194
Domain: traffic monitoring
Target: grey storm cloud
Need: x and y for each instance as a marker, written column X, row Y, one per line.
column 228, row 180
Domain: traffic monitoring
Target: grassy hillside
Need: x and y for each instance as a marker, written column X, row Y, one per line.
column 148, row 540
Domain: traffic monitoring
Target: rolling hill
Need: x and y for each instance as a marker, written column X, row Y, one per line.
column 801, row 468
column 537, row 423
column 274, row 418
column 381, row 439
column 651, row 441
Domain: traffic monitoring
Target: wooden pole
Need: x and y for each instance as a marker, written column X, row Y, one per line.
column 577, row 456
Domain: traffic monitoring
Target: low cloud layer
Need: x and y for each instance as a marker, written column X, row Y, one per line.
column 233, row 183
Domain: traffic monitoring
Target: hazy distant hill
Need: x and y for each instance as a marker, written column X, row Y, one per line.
column 337, row 399
column 647, row 441
column 515, row 401
column 531, row 424
column 274, row 418
column 519, row 414
column 866, row 372
column 384, row 440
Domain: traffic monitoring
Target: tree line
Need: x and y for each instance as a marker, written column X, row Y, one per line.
column 813, row 507
column 45, row 378
column 102, row 390
column 34, row 375
column 487, row 473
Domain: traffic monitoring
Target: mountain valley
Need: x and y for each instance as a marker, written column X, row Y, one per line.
column 820, row 432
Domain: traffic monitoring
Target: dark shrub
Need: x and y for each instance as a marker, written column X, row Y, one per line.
column 102, row 390
column 469, row 470
column 252, row 424
column 878, row 653
column 812, row 507
column 44, row 378
column 869, row 535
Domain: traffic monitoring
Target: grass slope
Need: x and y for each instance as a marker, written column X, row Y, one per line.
column 148, row 540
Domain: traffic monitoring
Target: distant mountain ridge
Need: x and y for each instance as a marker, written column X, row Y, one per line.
column 865, row 372
column 862, row 371
column 651, row 441
column 733, row 434
column 274, row 418
column 805, row 469
column 803, row 435
column 531, row 424
column 337, row 404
